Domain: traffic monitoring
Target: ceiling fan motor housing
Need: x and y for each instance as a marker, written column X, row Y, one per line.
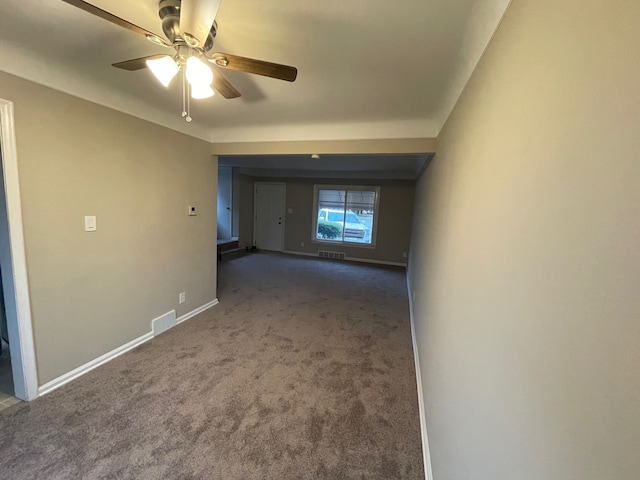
column 169, row 12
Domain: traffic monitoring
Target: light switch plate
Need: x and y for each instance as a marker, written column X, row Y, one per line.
column 90, row 223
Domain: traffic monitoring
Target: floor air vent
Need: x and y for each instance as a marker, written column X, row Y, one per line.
column 325, row 254
column 163, row 323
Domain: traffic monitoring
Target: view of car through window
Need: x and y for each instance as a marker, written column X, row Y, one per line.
column 345, row 215
column 337, row 225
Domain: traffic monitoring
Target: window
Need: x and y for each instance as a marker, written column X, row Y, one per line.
column 345, row 214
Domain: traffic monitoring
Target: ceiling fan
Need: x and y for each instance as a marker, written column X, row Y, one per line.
column 190, row 29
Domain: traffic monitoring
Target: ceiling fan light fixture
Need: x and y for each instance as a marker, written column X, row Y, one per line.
column 189, row 28
column 164, row 69
column 201, row 91
column 198, row 74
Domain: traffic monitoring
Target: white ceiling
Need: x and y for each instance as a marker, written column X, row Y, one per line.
column 366, row 69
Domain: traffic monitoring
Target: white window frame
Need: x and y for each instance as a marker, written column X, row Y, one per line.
column 346, row 188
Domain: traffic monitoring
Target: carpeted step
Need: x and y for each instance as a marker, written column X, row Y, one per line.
column 224, row 245
column 231, row 253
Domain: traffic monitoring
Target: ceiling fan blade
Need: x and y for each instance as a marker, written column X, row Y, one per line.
column 222, row 86
column 87, row 7
column 136, row 63
column 196, row 20
column 258, row 67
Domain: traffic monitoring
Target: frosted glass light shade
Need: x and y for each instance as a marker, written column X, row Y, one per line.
column 201, row 91
column 199, row 75
column 164, row 69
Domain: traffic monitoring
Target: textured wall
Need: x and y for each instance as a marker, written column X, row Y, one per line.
column 525, row 259
column 93, row 292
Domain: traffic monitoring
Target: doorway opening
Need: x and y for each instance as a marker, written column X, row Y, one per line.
column 7, row 394
column 229, row 205
column 225, row 192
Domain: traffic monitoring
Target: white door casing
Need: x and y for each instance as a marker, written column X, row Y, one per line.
column 269, row 206
column 14, row 264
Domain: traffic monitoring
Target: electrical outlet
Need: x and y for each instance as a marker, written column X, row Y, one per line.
column 404, row 254
column 191, row 210
column 302, row 244
column 182, row 297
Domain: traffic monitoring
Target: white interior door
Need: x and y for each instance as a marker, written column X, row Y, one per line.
column 269, row 216
column 224, row 202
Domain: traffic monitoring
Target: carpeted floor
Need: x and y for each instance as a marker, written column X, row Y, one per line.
column 303, row 371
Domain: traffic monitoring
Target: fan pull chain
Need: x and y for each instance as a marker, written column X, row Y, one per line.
column 188, row 117
column 184, row 98
column 186, row 104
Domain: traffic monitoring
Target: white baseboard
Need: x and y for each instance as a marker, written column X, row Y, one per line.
column 426, row 455
column 379, row 262
column 87, row 367
column 350, row 259
column 193, row 313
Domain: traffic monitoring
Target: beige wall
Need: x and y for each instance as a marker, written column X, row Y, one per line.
column 525, row 260
column 93, row 292
column 394, row 227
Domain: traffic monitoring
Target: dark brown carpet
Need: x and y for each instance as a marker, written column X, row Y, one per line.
column 304, row 371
